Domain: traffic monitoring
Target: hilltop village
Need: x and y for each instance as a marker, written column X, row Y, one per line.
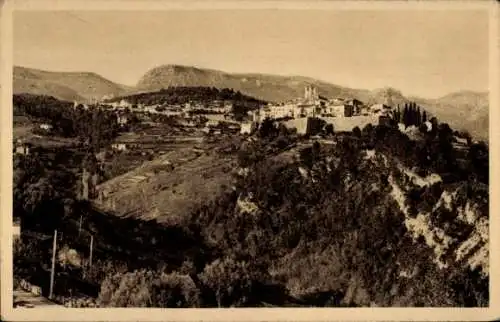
column 311, row 105
column 213, row 115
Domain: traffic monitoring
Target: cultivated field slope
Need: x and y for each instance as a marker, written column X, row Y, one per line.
column 172, row 185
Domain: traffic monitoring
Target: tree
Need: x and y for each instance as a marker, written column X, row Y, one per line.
column 307, row 157
column 233, row 282
column 356, row 132
column 267, row 129
column 368, row 129
column 90, row 162
column 329, row 130
column 316, row 148
column 405, row 114
column 250, row 153
column 239, row 111
column 175, row 290
column 478, row 161
column 419, row 117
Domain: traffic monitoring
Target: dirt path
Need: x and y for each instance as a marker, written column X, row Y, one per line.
column 24, row 299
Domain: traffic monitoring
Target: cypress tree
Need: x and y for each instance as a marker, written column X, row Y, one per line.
column 412, row 114
column 424, row 117
column 405, row 115
column 409, row 114
column 419, row 116
column 416, row 114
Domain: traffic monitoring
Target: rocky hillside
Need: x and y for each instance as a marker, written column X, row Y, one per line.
column 360, row 226
column 461, row 238
column 388, row 95
column 266, row 87
column 64, row 85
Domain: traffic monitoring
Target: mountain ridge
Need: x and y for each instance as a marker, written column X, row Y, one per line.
column 78, row 85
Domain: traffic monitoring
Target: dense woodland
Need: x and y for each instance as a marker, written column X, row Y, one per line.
column 183, row 95
column 241, row 103
column 94, row 127
column 323, row 229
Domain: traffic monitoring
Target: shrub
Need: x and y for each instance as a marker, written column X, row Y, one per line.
column 175, row 290
column 145, row 288
column 232, row 281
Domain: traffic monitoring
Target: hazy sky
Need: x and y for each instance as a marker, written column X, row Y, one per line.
column 427, row 53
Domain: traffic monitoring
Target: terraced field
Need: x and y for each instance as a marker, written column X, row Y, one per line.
column 169, row 186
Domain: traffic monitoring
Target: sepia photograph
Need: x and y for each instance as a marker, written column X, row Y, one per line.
column 250, row 158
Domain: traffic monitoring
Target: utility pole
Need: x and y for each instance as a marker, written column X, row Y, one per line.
column 87, row 266
column 62, row 242
column 52, row 273
column 80, row 226
column 91, row 246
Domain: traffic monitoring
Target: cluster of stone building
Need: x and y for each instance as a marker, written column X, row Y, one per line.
column 215, row 107
column 186, row 113
column 314, row 105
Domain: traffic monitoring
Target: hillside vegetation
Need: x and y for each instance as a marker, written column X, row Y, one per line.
column 372, row 219
column 195, row 94
column 94, row 127
column 350, row 225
